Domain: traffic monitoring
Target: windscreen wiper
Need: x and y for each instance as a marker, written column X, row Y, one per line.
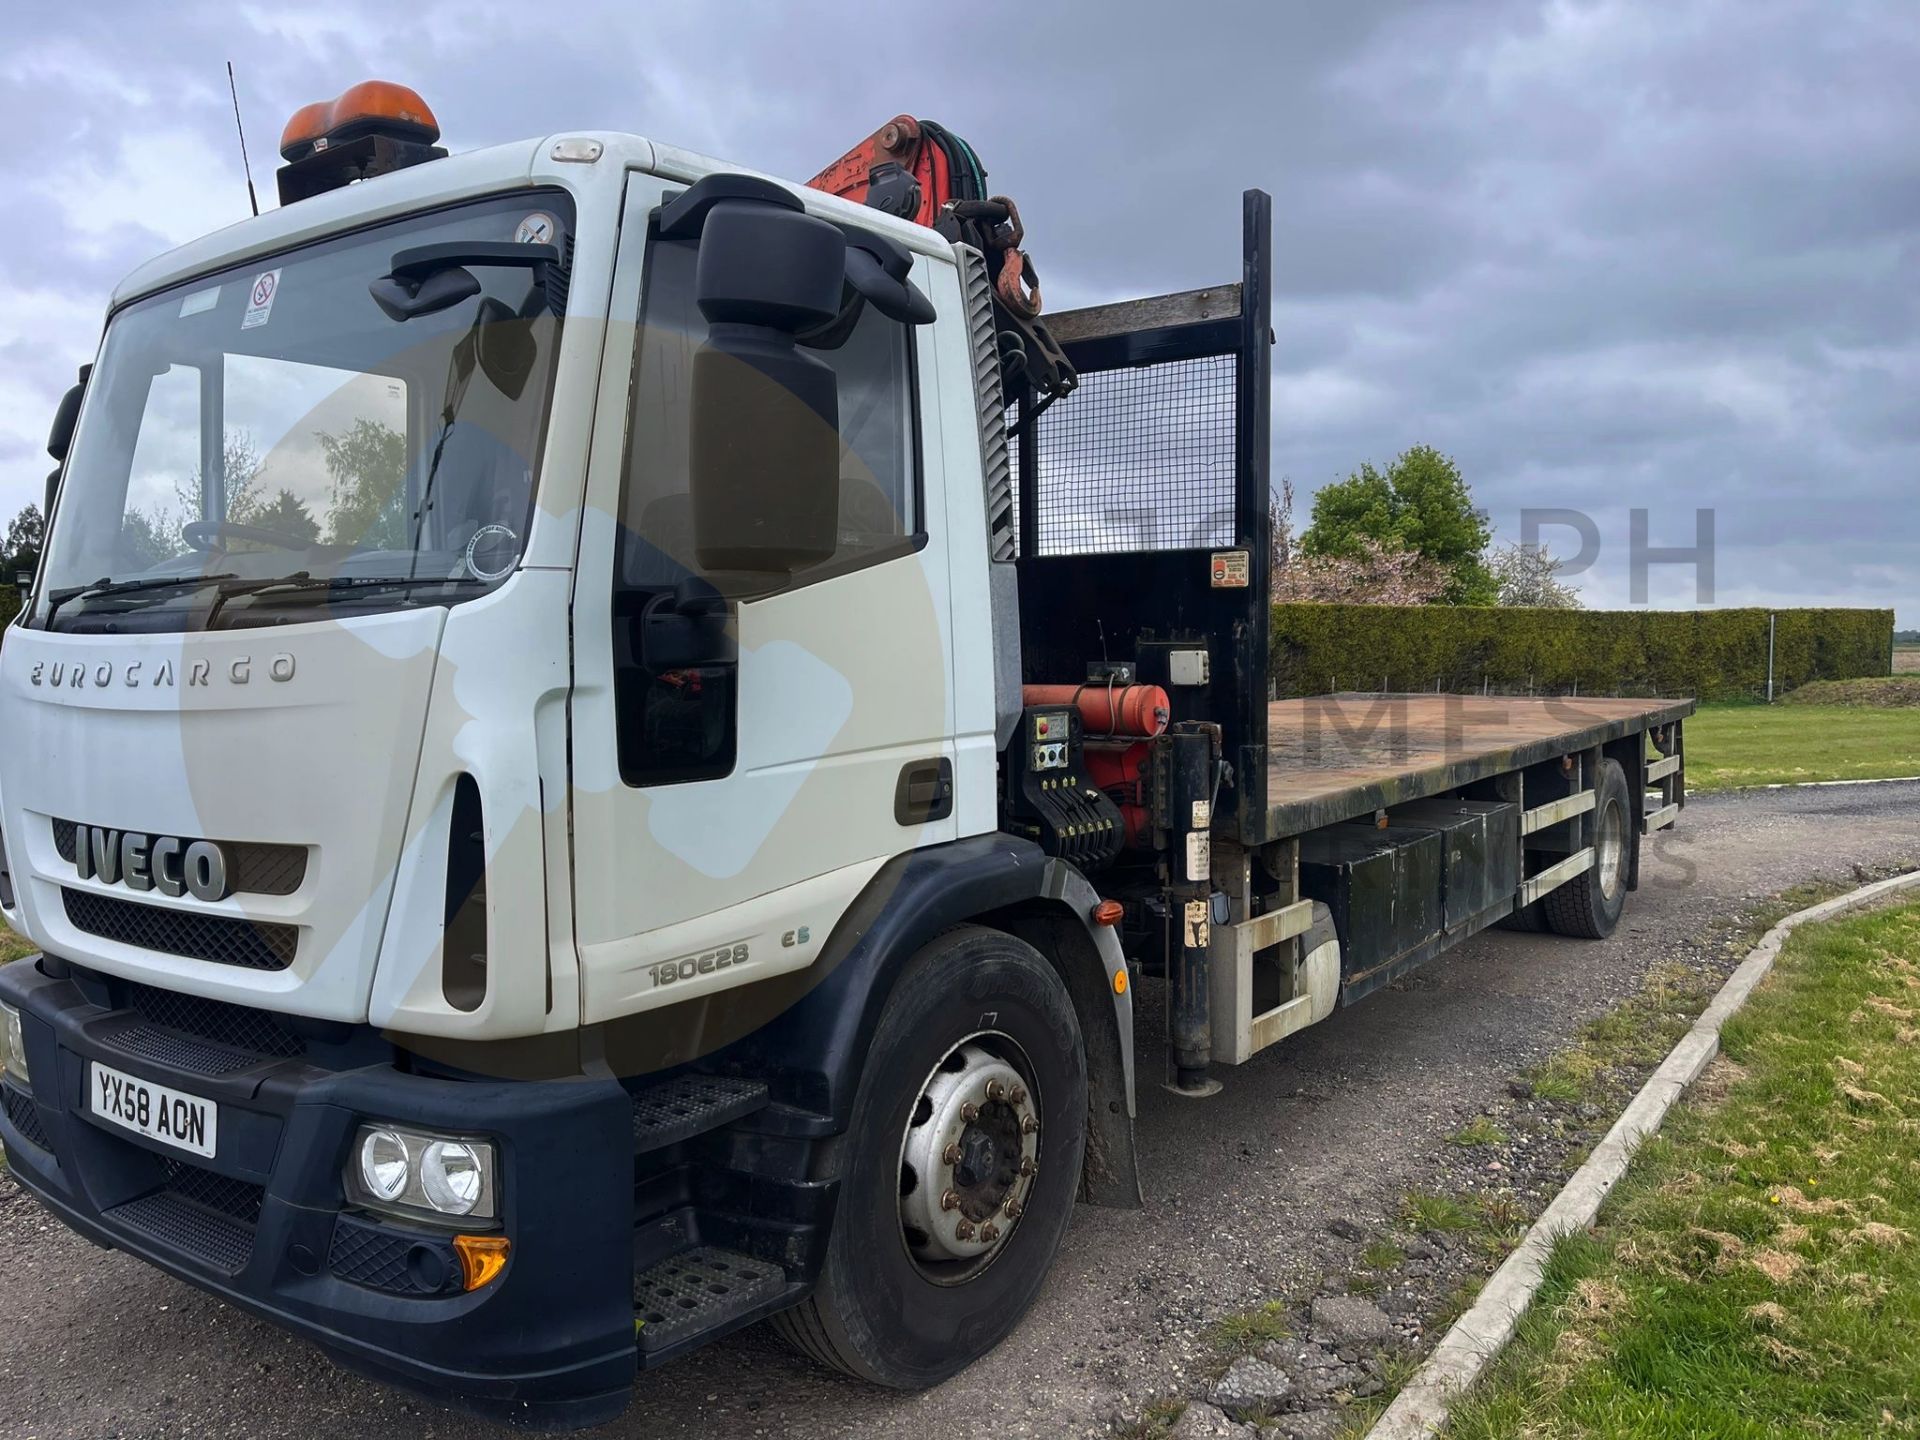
column 105, row 586
column 300, row 582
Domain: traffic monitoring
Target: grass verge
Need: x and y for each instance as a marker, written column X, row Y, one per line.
column 1633, row 1037
column 1730, row 746
column 12, row 944
column 1757, row 1273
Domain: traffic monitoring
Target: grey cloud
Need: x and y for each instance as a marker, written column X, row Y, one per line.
column 1608, row 254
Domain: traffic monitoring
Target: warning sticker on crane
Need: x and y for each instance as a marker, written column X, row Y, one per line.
column 1199, row 855
column 1230, row 570
column 1196, row 925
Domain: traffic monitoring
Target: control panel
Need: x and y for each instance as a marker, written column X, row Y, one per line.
column 1047, row 796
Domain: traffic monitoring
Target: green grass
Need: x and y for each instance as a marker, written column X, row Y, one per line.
column 1729, row 746
column 1757, row 1273
column 1423, row 1211
column 1250, row 1329
column 1478, row 1131
column 1156, row 1421
column 12, row 945
column 1382, row 1255
column 1635, row 1035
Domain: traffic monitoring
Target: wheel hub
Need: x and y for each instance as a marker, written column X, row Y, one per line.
column 1612, row 847
column 967, row 1161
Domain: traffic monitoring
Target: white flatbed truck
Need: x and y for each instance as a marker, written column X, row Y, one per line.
column 591, row 761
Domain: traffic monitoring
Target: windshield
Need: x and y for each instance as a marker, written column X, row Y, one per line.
column 346, row 424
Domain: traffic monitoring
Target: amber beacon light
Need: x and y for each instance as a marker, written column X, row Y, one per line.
column 367, row 130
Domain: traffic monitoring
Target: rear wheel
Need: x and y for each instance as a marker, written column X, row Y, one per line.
column 1527, row 918
column 1590, row 905
column 959, row 1168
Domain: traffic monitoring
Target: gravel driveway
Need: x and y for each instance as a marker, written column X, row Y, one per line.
column 1334, row 1127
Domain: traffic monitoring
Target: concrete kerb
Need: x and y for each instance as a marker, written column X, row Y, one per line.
column 1422, row 1407
column 1826, row 784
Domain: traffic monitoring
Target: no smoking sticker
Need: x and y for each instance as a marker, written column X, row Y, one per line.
column 260, row 296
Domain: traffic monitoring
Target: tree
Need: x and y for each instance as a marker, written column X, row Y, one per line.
column 369, row 469
column 1420, row 503
column 26, row 537
column 287, row 514
column 240, row 465
column 1527, row 575
column 1374, row 573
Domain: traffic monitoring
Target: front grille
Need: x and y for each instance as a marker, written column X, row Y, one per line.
column 171, row 1017
column 253, row 867
column 223, row 939
column 179, row 1052
column 207, row 1215
column 24, row 1116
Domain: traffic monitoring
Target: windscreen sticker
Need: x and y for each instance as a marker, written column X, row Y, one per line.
column 536, row 229
column 200, row 301
column 266, row 285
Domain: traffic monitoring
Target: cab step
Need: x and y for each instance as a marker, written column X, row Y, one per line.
column 700, row 1294
column 690, row 1105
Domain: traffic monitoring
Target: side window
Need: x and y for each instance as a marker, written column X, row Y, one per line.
column 674, row 657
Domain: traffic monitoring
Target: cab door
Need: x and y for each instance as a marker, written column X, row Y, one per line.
column 742, row 769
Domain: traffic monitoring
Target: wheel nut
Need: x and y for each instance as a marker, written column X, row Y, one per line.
column 995, row 1090
column 1026, row 1164
column 949, row 1200
column 1018, row 1095
column 964, row 1230
column 1029, row 1124
column 989, row 1232
column 969, row 1112
column 952, row 1153
column 1011, row 1209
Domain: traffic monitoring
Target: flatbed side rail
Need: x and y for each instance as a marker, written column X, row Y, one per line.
column 1665, row 778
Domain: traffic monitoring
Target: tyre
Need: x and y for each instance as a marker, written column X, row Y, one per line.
column 959, row 1168
column 1527, row 918
column 1590, row 905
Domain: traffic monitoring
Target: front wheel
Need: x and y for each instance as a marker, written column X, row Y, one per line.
column 1589, row 906
column 961, row 1164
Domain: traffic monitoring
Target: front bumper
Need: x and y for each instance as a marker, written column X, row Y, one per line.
column 263, row 1223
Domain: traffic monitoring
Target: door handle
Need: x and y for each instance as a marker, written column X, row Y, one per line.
column 924, row 792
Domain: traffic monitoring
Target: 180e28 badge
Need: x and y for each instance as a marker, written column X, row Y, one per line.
column 702, row 962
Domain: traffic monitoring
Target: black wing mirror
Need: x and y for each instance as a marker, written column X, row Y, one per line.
column 764, row 481
column 60, row 439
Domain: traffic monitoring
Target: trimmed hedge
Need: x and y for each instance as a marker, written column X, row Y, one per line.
column 1706, row 654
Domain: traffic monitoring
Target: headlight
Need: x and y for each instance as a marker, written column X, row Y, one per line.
column 13, row 1048
column 423, row 1175
column 451, row 1174
column 383, row 1164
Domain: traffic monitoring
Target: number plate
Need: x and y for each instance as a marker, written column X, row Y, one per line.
column 184, row 1121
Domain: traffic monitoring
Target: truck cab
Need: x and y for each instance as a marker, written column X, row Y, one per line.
column 394, row 717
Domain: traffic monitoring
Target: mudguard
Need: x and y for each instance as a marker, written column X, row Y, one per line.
column 812, row 1054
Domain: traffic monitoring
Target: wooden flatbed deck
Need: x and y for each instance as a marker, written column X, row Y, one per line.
column 1336, row 757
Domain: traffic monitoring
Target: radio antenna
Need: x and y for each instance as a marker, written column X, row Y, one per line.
column 245, row 164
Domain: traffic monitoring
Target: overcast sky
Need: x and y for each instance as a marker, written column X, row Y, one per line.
column 1607, row 255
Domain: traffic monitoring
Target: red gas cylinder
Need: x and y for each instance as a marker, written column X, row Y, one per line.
column 1137, row 711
